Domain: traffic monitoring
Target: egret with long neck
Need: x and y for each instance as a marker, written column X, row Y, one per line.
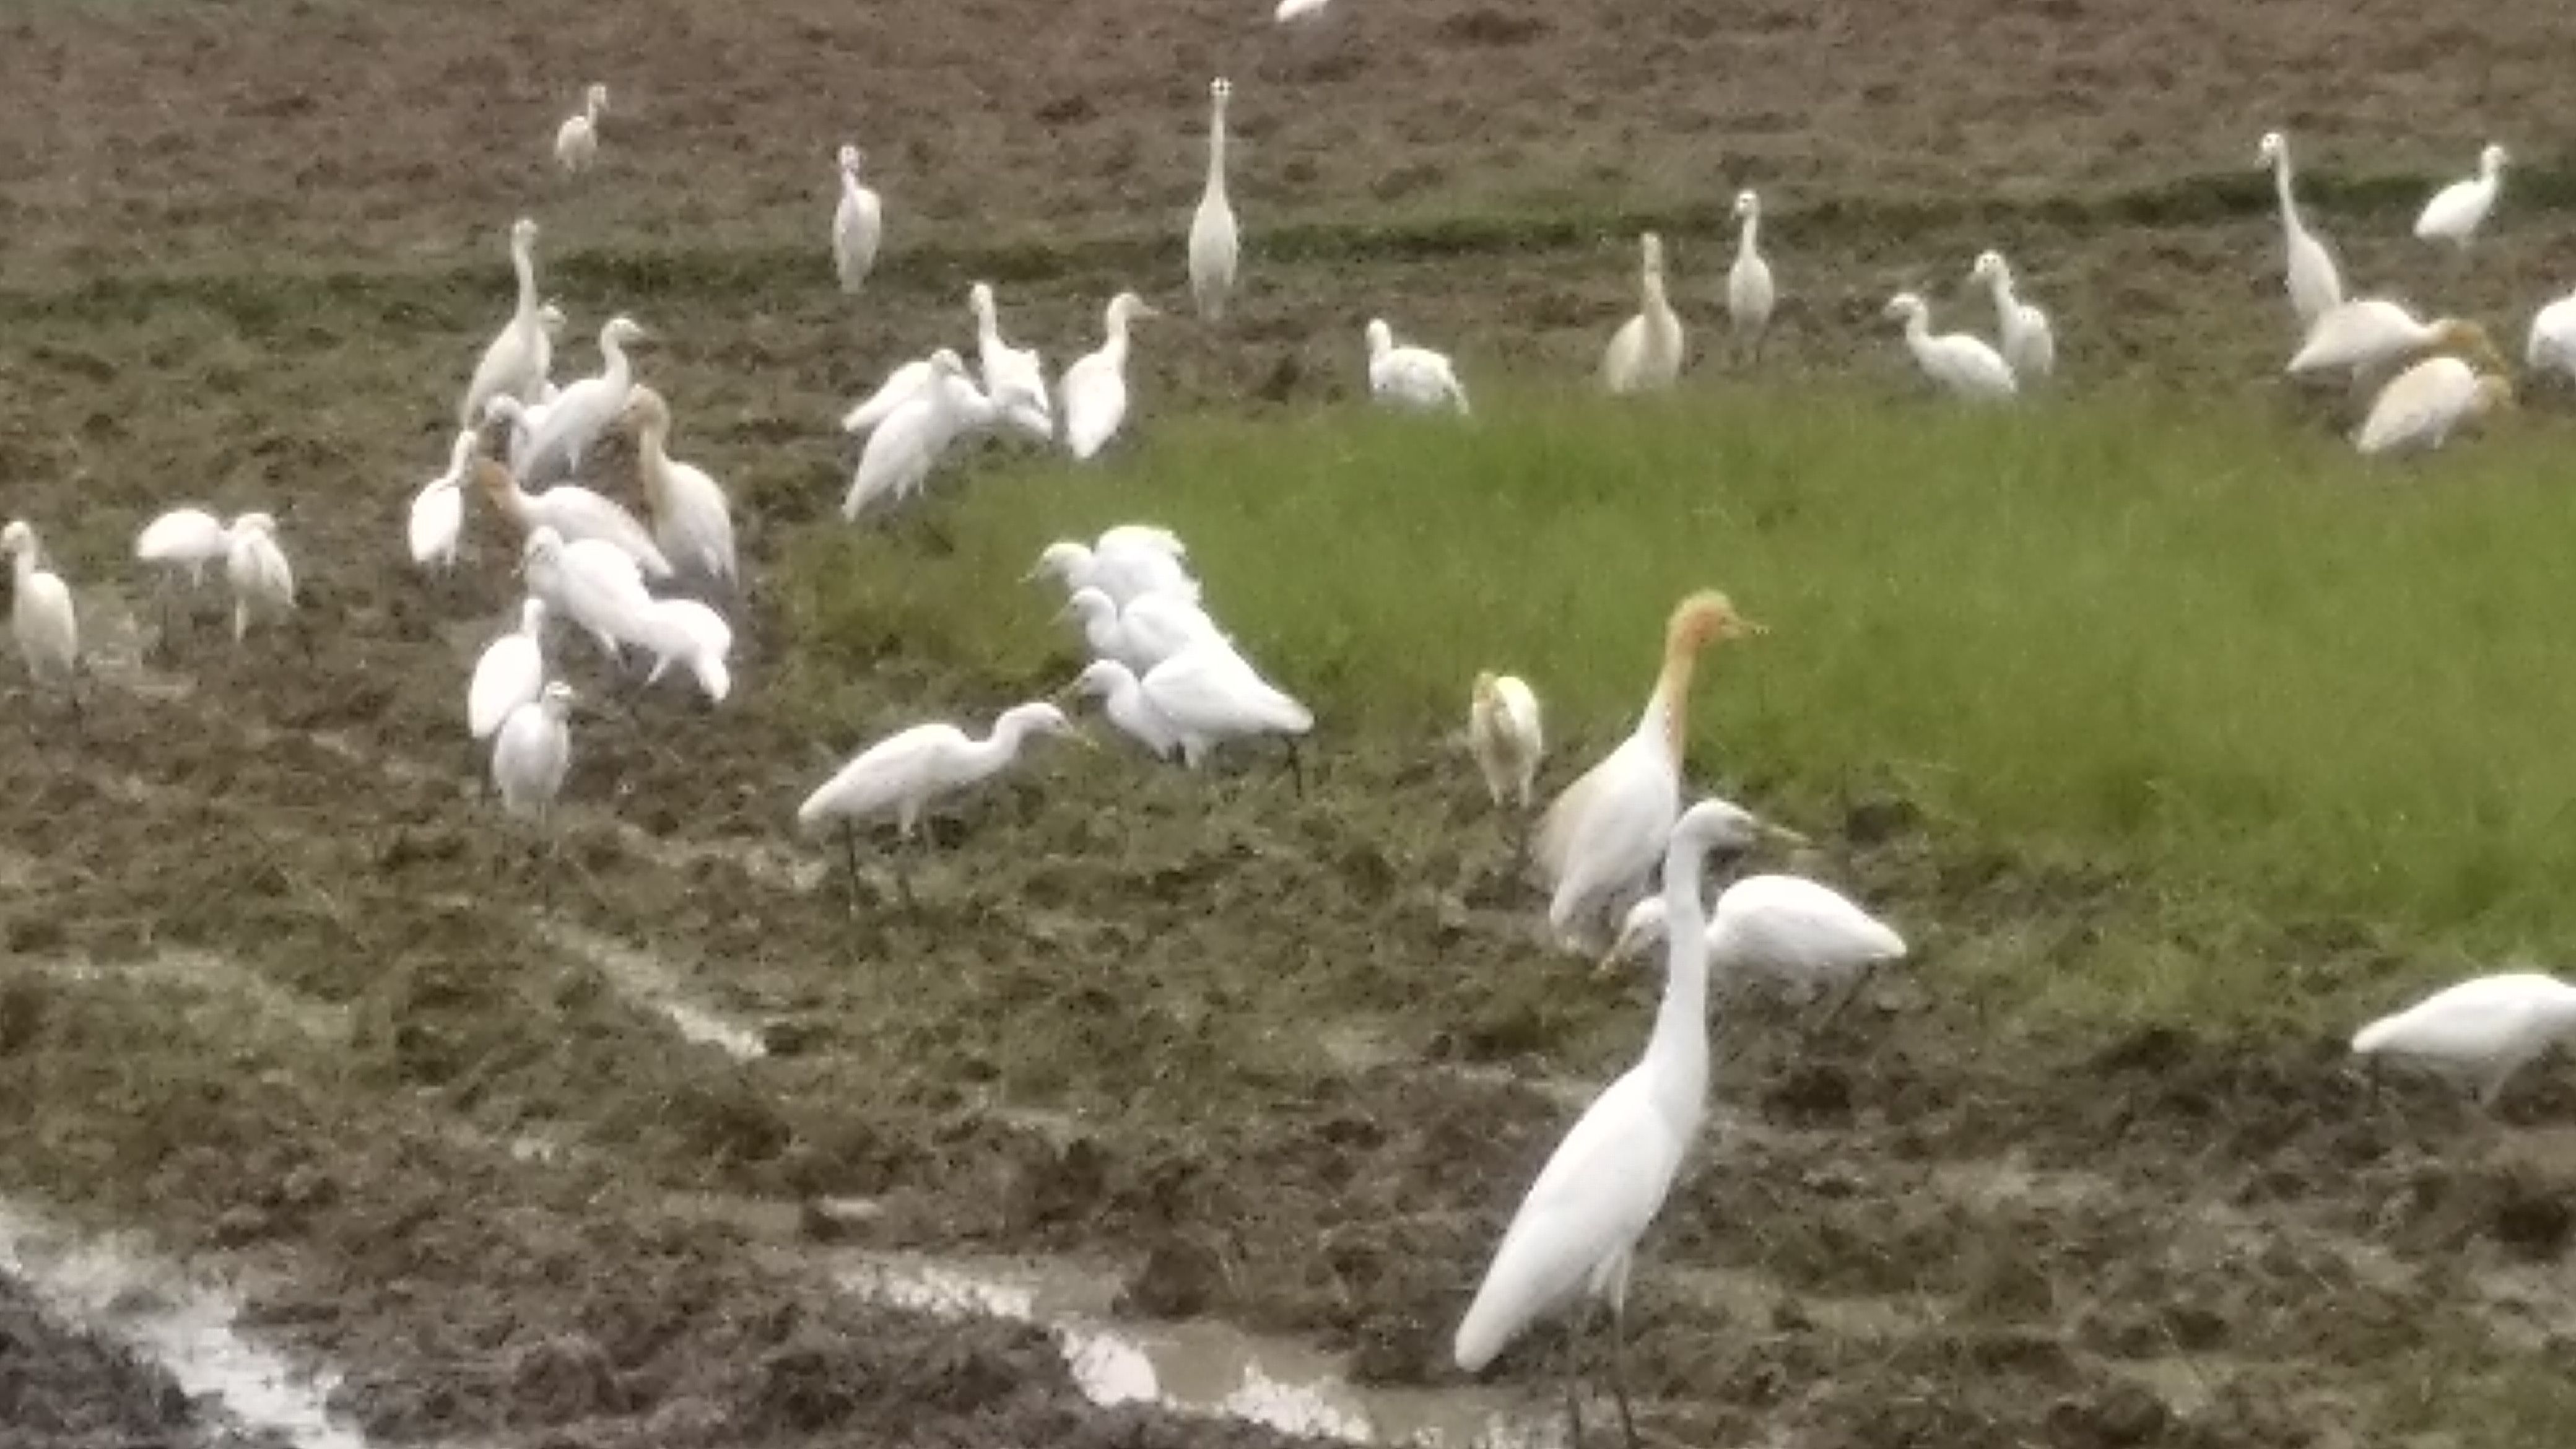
column 1214, row 247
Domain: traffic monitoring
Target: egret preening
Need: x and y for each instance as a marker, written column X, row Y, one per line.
column 1503, row 734
column 1574, row 1239
column 1785, row 928
column 510, row 672
column 858, row 225
column 1122, row 698
column 1646, row 352
column 901, row 774
column 1093, row 392
column 909, row 442
column 40, row 614
column 183, row 540
column 1596, row 844
column 436, row 523
column 263, row 582
column 1014, row 377
column 1750, row 295
column 515, row 362
column 2308, row 269
column 2029, row 347
column 1415, row 378
column 2422, row 406
column 1212, row 694
column 2457, row 211
column 577, row 139
column 1125, row 563
column 1964, row 366
column 692, row 521
column 571, row 510
column 1214, row 246
column 2484, row 1029
column 591, row 583
column 576, row 418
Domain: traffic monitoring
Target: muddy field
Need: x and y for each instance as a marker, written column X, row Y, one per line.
column 1173, row 1117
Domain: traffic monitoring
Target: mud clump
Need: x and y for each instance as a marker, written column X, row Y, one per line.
column 1178, row 1279
column 81, row 1393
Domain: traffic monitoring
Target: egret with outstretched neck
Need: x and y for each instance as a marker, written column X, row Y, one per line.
column 2309, row 275
column 858, row 225
column 1093, row 392
column 1645, row 354
column 1750, row 295
column 1214, row 245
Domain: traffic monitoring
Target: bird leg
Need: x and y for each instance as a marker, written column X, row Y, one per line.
column 850, row 859
column 1297, row 769
column 1847, row 995
column 1619, row 1372
column 1574, row 1324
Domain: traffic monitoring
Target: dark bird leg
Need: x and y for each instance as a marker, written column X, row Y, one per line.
column 1297, row 768
column 1859, row 981
column 1619, row 1370
column 850, row 860
column 1575, row 1323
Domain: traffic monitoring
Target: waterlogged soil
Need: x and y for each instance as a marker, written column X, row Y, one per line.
column 567, row 1139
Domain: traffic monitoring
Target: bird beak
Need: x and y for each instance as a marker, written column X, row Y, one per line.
column 1744, row 628
column 1610, row 963
column 1148, row 309
column 1783, row 834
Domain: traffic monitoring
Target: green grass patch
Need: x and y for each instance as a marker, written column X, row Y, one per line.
column 2200, row 645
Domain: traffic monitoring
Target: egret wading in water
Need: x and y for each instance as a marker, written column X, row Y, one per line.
column 262, row 580
column 1962, row 365
column 436, row 523
column 1503, row 734
column 1014, row 377
column 1414, row 378
column 1214, row 246
column 1784, row 928
column 514, row 363
column 1750, row 296
column 902, row 773
column 1573, row 1241
column 2029, row 347
column 181, row 541
column 858, row 225
column 2457, row 211
column 1597, row 842
column 2482, row 1030
column 41, row 620
column 2309, row 275
column 1093, row 393
column 1645, row 354
column 2422, row 406
column 577, row 139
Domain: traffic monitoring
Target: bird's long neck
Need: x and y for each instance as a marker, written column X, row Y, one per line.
column 22, row 567
column 1216, row 151
column 995, row 750
column 1668, row 708
column 2001, row 285
column 1745, row 245
column 1918, row 333
column 1676, row 1061
column 525, row 266
column 653, row 464
column 619, row 373
column 590, row 107
column 988, row 325
column 502, row 487
column 1115, row 348
column 2281, row 185
column 1650, row 293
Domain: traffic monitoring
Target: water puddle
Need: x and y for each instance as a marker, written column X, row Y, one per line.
column 119, row 1293
column 218, row 979
column 649, row 982
column 1197, row 1367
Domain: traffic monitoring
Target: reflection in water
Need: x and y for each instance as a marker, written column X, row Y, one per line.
column 125, row 1297
column 1200, row 1367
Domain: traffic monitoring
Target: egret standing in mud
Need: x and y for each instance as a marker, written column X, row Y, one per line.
column 902, row 773
column 530, row 760
column 1784, row 927
column 2484, row 1029
column 1503, row 734
column 263, row 582
column 1573, row 1240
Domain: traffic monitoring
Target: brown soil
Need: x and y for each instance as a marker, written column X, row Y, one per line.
column 1289, row 1062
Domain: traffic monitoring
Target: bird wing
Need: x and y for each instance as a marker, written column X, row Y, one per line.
column 2418, row 405
column 1610, row 825
column 1094, row 400
column 437, row 517
column 897, row 454
column 1210, row 689
column 578, row 513
column 510, row 673
column 882, row 772
column 1593, row 1200
column 1794, row 927
column 898, row 387
column 699, row 521
column 183, row 535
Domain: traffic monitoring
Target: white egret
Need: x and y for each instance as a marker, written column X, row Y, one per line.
column 437, row 520
column 1014, row 377
column 571, row 510
column 1963, row 365
column 2457, row 211
column 510, row 672
column 263, row 582
column 518, row 423
column 40, row 614
column 576, row 418
column 2029, row 346
column 1786, row 928
column 1212, row 694
column 898, row 388
column 858, row 225
column 1297, row 10
column 1214, row 246
column 1573, row 1240
column 1645, row 354
column 2551, row 346
column 1148, row 630
column 2370, row 334
column 902, row 773
column 2308, row 268
column 1411, row 377
column 903, row 449
column 577, row 139
column 692, row 520
column 1092, row 395
column 1151, row 537
column 1124, row 565
column 516, row 361
column 1503, row 734
column 2484, row 1029
column 1750, row 295
column 693, row 636
column 2422, row 406
column 183, row 540
column 1122, row 698
column 1597, row 842
column 590, row 582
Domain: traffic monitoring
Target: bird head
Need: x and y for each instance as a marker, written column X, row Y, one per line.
column 557, row 698
column 645, row 410
column 1704, row 619
column 1722, row 827
column 550, row 316
column 850, row 158
column 544, row 548
column 2471, row 339
column 1642, row 929
column 1747, row 206
column 946, row 363
column 17, row 538
column 1650, row 250
column 1989, row 266
column 1088, row 603
column 250, row 525
column 1099, row 677
column 1041, row 718
column 523, row 233
column 1127, row 307
column 2491, row 160
column 1904, row 307
column 979, row 299
column 622, row 331
column 1058, row 560
column 1484, row 695
column 597, row 96
column 1220, row 90
column 2494, row 394
column 1381, row 338
column 2268, row 151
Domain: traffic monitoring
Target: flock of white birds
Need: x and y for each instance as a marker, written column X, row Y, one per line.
column 1170, row 677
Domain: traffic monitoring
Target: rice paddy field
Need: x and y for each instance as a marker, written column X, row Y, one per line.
column 1186, row 1111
